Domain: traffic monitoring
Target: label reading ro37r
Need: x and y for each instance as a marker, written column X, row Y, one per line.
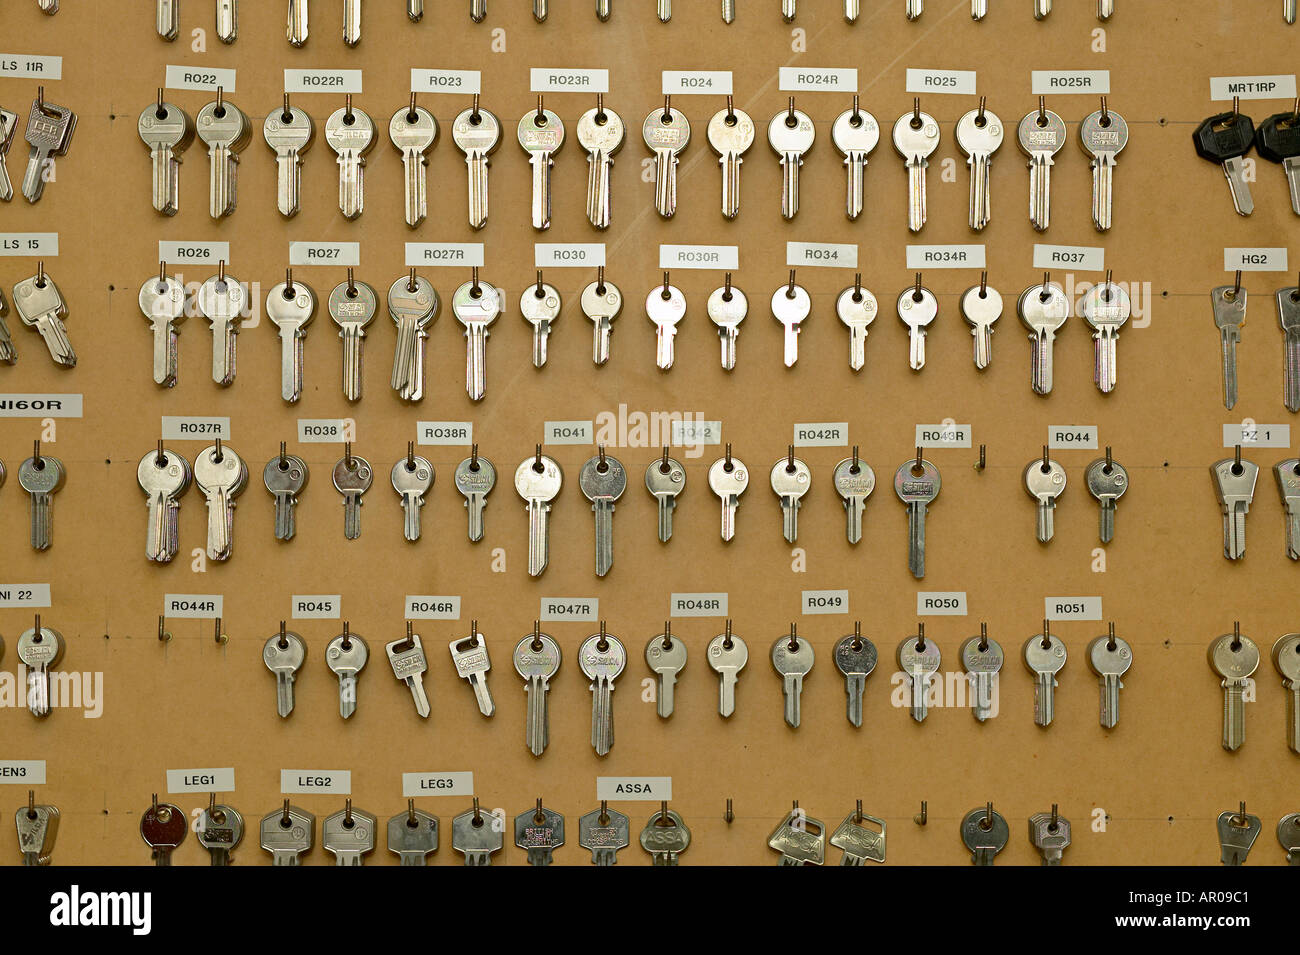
column 195, row 428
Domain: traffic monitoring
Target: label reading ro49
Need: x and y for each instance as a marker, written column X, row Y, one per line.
column 825, row 601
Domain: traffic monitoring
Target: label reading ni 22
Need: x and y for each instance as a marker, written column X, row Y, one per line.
column 25, row 595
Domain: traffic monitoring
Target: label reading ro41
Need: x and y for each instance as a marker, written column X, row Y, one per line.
column 568, row 432
column 825, row 601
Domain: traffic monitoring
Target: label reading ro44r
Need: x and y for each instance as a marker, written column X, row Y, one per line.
column 193, row 606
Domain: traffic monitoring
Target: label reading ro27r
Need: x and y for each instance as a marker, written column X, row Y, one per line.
column 455, row 254
column 570, row 609
column 825, row 601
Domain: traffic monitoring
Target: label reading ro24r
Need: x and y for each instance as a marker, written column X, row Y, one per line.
column 825, row 601
column 697, row 605
column 437, row 784
column 1072, row 608
column 298, row 781
column 570, row 609
column 1072, row 436
column 941, row 603
column 432, row 607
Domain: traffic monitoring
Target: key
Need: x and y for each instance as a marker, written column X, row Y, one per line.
column 860, row 841
column 666, row 132
column 475, row 478
column 666, row 657
column 288, row 834
column 220, row 831
column 600, row 133
column 1110, row 658
column 800, row 839
column 603, row 10
column 225, row 130
column 727, row 655
column 1043, row 309
column 601, row 302
column 791, row 304
column 1049, row 832
column 285, row 476
column 477, row 133
column 914, row 9
column 289, row 132
column 537, row 659
column 1277, row 139
column 38, row 826
column 8, row 127
column 1288, row 833
column 791, row 480
column 1289, row 10
column 413, row 131
column 791, row 134
column 222, row 300
column 1237, row 833
column 665, row 479
column 541, row 134
column 919, row 658
column 352, row 478
column 730, row 133
column 1229, row 304
column 981, row 306
column 1106, row 9
column 540, row 10
column 979, row 134
column 851, row 10
column 346, row 656
column 283, row 655
column 8, row 354
column 792, row 658
column 727, row 307
column 857, row 309
column 916, row 137
column 1106, row 308
column 854, row 481
column 1045, row 657
column 163, row 827
column 352, row 306
column 40, row 649
column 1045, row 482
column 728, row 11
column 1234, row 658
column 167, row 131
column 478, row 10
column 540, row 307
column 603, row 481
column 917, row 308
column 665, row 837
column 982, row 657
column 470, row 657
column 1041, row 134
column 349, row 834
column 351, row 26
column 162, row 300
column 167, row 19
column 1042, row 8
column 406, row 657
column 855, row 134
column 413, row 835
column 413, row 305
column 227, row 21
column 415, row 10
column 855, row 657
column 412, row 477
column 979, row 9
column 604, row 832
column 221, row 475
column 1288, row 316
column 49, row 133
column 40, row 305
column 539, row 832
column 602, row 658
column 788, row 10
column 985, row 834
column 41, row 477
column 164, row 477
column 350, row 132
column 1224, row 139
column 291, row 306
column 1107, row 482
column 1103, row 135
column 1234, row 484
column 666, row 307
column 538, row 480
column 297, row 29
column 476, row 307
column 917, row 485
column 1287, row 475
column 728, row 477
column 477, row 835
column 665, row 10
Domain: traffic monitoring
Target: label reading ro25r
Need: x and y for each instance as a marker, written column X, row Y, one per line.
column 1072, row 436
column 1072, row 608
column 437, row 784
column 570, row 609
column 825, row 601
column 697, row 605
column 298, row 781
column 821, row 434
column 568, row 432
column 432, row 607
column 941, row 603
column 943, row 435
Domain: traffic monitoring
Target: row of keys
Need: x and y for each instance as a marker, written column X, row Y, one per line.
column 49, row 134
column 1234, row 484
column 1226, row 138
column 1229, row 309
column 41, row 307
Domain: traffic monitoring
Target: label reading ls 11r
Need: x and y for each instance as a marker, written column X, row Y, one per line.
column 1072, row 436
column 316, row 606
column 24, row 595
column 1257, row 435
column 446, row 81
column 941, row 603
column 1093, row 82
column 825, row 254
column 40, row 406
column 173, row 251
column 691, row 433
column 42, row 244
column 697, row 605
column 1072, row 608
column 943, row 435
column 200, row 78
column 800, row 79
column 324, row 253
column 570, row 609
column 458, row 254
column 945, row 257
column 1253, row 87
column 566, row 80
column 559, row 255
column 437, row 784
column 634, row 788
column 24, row 772
column 821, row 434
column 1255, row 260
column 715, row 82
column 322, row 81
column 455, row 433
column 568, row 432
column 325, row 430
column 825, row 601
column 298, row 781
column 432, row 607
column 1087, row 258
column 194, row 428
column 201, row 780
column 941, row 81
column 699, row 257
column 193, row 606
column 31, row 66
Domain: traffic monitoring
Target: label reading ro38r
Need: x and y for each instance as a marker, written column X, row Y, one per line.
column 454, row 433
column 825, row 601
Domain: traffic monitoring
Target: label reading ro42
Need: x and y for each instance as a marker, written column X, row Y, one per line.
column 691, row 433
column 570, row 609
column 1072, row 436
column 825, row 601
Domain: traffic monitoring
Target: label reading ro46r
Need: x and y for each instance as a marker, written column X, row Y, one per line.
column 437, row 784
column 201, row 780
column 193, row 606
column 571, row 609
column 432, row 607
column 1072, row 608
column 1072, row 436
column 298, row 781
column 634, row 788
column 1257, row 435
column 941, row 603
column 568, row 432
column 825, row 601
column 24, row 595
column 697, row 605
column 943, row 435
column 821, row 434
column 316, row 606
column 454, row 433
column 194, row 428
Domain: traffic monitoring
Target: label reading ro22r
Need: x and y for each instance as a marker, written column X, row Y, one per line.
column 825, row 601
column 570, row 609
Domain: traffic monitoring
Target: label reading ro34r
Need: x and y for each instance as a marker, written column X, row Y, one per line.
column 945, row 257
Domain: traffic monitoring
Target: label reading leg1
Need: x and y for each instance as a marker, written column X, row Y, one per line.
column 432, row 607
column 1072, row 436
column 634, row 788
column 570, row 609
column 437, row 784
column 316, row 606
column 825, row 601
column 697, row 605
column 201, row 780
column 299, row 781
column 821, row 434
column 943, row 436
column 941, row 603
column 1072, row 608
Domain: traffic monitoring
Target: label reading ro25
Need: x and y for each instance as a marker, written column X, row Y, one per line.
column 825, row 601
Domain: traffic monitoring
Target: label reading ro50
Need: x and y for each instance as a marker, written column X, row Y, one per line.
column 432, row 607
column 941, row 603
column 1072, row 436
column 1072, row 608
column 697, row 605
column 570, row 609
column 298, row 781
column 825, row 601
column 437, row 784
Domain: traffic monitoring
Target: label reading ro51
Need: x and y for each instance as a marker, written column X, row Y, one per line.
column 1072, row 608
column 825, row 601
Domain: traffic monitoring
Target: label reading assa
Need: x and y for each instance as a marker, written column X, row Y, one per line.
column 437, row 784
column 821, row 434
column 432, row 607
column 201, row 780
column 941, row 603
column 1072, row 436
column 24, row 595
column 568, row 432
column 26, row 772
column 193, row 606
column 944, row 435
column 298, row 781
column 316, row 606
column 697, row 605
column 445, row 432
column 1072, row 608
column 825, row 601
column 194, row 428
column 570, row 609
column 634, row 788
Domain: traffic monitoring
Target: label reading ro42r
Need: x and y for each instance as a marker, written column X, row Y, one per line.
column 825, row 601
column 571, row 609
column 821, row 434
column 943, row 435
column 697, row 605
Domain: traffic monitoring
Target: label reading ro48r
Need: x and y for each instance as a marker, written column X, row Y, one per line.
column 1072, row 608
column 697, row 605
column 571, row 609
column 1072, row 436
column 437, row 784
column 432, row 607
column 821, row 434
column 825, row 601
column 943, row 435
column 568, row 432
column 941, row 603
column 316, row 606
column 24, row 595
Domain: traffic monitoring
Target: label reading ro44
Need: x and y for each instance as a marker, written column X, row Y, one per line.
column 316, row 606
column 298, row 781
column 1072, row 436
column 941, row 603
column 634, row 788
column 943, row 435
column 821, row 434
column 570, row 609
column 697, row 605
column 437, row 784
column 825, row 601
column 1072, row 608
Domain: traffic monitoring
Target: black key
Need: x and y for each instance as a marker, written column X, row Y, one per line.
column 1224, row 139
column 1278, row 140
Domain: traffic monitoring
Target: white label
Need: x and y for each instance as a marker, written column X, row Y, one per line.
column 437, row 784
column 40, row 406
column 717, row 82
column 193, row 606
column 1255, row 260
column 1087, row 258
column 297, row 781
column 1257, row 435
column 825, row 601
column 29, row 65
column 941, row 603
column 826, row 254
column 43, row 244
column 559, row 255
column 322, row 81
column 1253, row 87
column 941, row 81
column 178, row 251
column 25, row 595
column 691, row 433
column 24, row 772
column 200, row 78
column 568, row 432
column 432, row 607
column 697, row 605
column 945, row 257
column 570, row 609
column 943, row 435
column 455, row 433
column 324, row 253
column 566, row 80
column 800, row 79
column 459, row 254
column 325, row 430
column 1072, row 608
column 446, row 81
column 194, row 428
column 316, row 606
column 699, row 257
column 634, row 788
column 821, row 434
column 1072, row 436
column 1093, row 82
column 201, row 780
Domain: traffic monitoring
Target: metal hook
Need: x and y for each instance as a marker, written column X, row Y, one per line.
column 36, row 455
column 789, row 292
column 286, row 116
column 161, row 111
column 1047, row 634
column 1110, row 462
column 537, row 644
column 916, row 290
column 1236, row 635
column 857, row 812
column 984, row 283
column 349, row 117
column 731, row 109
column 1110, row 643
column 726, row 635
column 347, row 635
column 727, row 465
column 538, row 290
column 1236, row 459
column 1047, row 461
column 789, row 460
column 922, row 817
column 1105, row 113
column 284, row 637
column 919, row 465
column 475, row 116
column 411, row 115
column 663, row 292
column 473, row 457
column 916, row 112
column 603, row 643
column 601, row 116
column 920, row 637
column 668, row 635
column 163, row 635
column 667, row 116
column 410, row 280
column 1236, row 284
column 410, row 812
column 410, row 455
column 726, row 286
column 604, row 812
column 285, row 819
column 31, row 804
column 982, row 463
column 794, row 637
column 857, row 112
column 984, row 636
column 162, row 275
column 855, row 467
column 663, row 813
column 729, row 814
column 217, row 454
column 538, row 816
column 219, row 635
column 1056, row 818
column 1042, row 111
column 474, row 288
column 988, row 814
column 537, row 462
column 979, row 116
column 160, row 459
column 857, row 286
column 857, row 634
column 347, row 813
column 40, row 273
column 1236, row 108
column 790, row 121
column 289, row 290
column 600, row 280
column 348, row 460
column 221, row 101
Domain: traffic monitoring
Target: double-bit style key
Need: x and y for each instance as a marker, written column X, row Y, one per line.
column 1224, row 139
column 1234, row 485
column 413, row 305
column 1106, row 308
column 476, row 307
column 791, row 134
column 1277, row 139
column 665, row 837
column 477, row 835
column 862, row 837
column 287, row 833
column 1234, row 658
column 469, row 655
column 792, row 658
column 800, row 839
column 600, row 133
column 541, row 134
column 666, row 133
column 985, row 833
column 352, row 477
column 917, row 485
column 477, row 133
column 665, row 479
column 289, row 132
column 167, row 130
column 603, row 481
column 538, row 480
column 730, row 133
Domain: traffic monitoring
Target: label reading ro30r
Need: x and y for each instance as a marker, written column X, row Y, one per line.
column 720, row 257
column 825, row 601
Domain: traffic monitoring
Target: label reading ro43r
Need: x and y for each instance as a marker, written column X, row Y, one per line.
column 326, row 430
column 24, row 595
column 634, row 788
column 178, row 251
column 28, row 65
column 568, row 432
column 43, row 244
column 943, row 435
column 316, row 606
column 559, row 255
column 324, row 253
column 1248, row 433
column 454, row 433
column 446, row 81
column 941, row 603
column 200, row 78
column 298, row 781
column 821, row 434
column 460, row 254
column 566, row 79
column 193, row 606
column 201, row 780
column 713, row 82
column 825, row 601
column 194, row 428
column 1255, row 260
column 571, row 609
column 824, row 254
column 941, row 81
column 432, row 607
column 699, row 257
column 1087, row 258
column 801, row 79
column 322, row 81
column 945, row 257
column 1072, row 608
column 437, row 784
column 25, row 772
column 690, row 433
column 697, row 605
column 1072, row 436
column 40, row 406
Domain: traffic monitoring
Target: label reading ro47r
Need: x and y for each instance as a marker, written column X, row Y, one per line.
column 825, row 601
column 570, row 609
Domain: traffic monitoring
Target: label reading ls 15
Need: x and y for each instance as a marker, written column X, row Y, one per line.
column 1072, row 608
column 825, row 601
column 437, row 784
column 201, row 780
column 42, row 244
column 25, row 772
column 25, row 595
column 697, row 605
column 298, row 781
column 634, row 788
column 941, row 81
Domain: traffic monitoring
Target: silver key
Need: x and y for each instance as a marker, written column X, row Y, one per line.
column 8, row 128
column 352, row 477
column 541, row 9
column 222, row 300
column 349, row 834
column 164, row 477
column 800, row 839
column 285, row 475
column 788, row 10
column 1045, row 657
column 1106, row 308
column 415, row 10
column 603, row 10
column 477, row 835
column 727, row 655
column 41, row 306
column 351, row 22
column 728, row 477
column 1049, row 832
column 979, row 9
column 1287, row 475
column 792, row 658
column 162, row 301
column 167, row 19
column 163, row 827
column 39, row 649
column 413, row 131
column 859, row 840
column 791, row 304
column 291, row 306
column 791, row 480
column 297, row 30
column 666, row 133
column 225, row 130
column 49, row 133
column 540, row 306
column 541, row 134
column 478, row 10
column 603, row 481
column 916, row 137
column 1045, row 482
column 412, row 477
column 979, row 134
column 914, row 8
column 1288, row 316
column 167, row 130
column 666, row 307
column 1234, row 484
column 665, row 479
column 1229, row 304
column 413, row 835
column 791, row 134
column 38, row 826
column 604, row 832
column 538, row 480
column 602, row 658
column 413, row 305
column 469, row 655
column 601, row 302
column 287, row 834
column 857, row 309
column 1288, row 834
column 1107, row 482
column 982, row 657
column 1110, row 658
column 1237, row 833
column 665, row 837
column 730, row 134
column 1041, row 134
column 350, row 132
column 1103, row 135
column 917, row 484
column 352, row 306
column 985, row 834
column 221, row 475
column 406, row 657
column 1286, row 658
column 346, row 656
column 981, row 306
column 1234, row 658
column 1042, row 8
column 1043, row 309
column 289, row 132
column 855, row 657
column 475, row 478
column 855, row 134
column 476, row 306
column 41, row 477
column 919, row 658
column 539, row 832
column 601, row 133
column 852, row 9
column 727, row 307
column 537, row 659
column 1288, row 9
column 854, row 481
column 666, row 657
column 227, row 20
column 664, row 10
column 477, row 133
column 917, row 308
column 284, row 653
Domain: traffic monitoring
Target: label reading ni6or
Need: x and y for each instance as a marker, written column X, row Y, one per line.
column 432, row 607
column 299, row 781
column 1072, row 436
column 40, row 406
column 825, row 601
column 570, row 609
column 316, row 606
column 1072, row 608
column 437, row 784
column 697, row 605
column 941, row 81
column 937, row 603
column 221, row 780
column 821, row 434
column 568, row 80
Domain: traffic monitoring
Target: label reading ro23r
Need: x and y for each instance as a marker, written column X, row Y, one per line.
column 825, row 601
column 437, row 784
column 570, row 609
column 721, row 257
column 298, row 781
column 1072, row 608
column 1072, row 436
column 697, row 605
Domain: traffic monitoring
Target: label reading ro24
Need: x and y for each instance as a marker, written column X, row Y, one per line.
column 316, row 606
column 821, row 434
column 713, row 82
column 697, row 605
column 1072, row 436
column 193, row 606
column 568, row 432
column 1072, row 608
column 941, row 603
column 298, row 781
column 201, row 780
column 634, row 788
column 570, row 609
column 943, row 435
column 825, row 601
column 432, row 607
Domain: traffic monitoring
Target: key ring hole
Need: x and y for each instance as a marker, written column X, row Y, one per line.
column 731, row 119
column 791, row 122
column 917, row 296
column 984, row 824
column 601, row 118
column 855, row 120
column 540, row 120
column 727, row 296
column 603, row 467
column 917, row 470
column 538, row 467
column 1045, row 468
column 162, row 112
column 219, row 112
column 39, row 464
column 728, row 466
column 38, row 637
column 1040, row 121
column 349, row 823
column 349, row 119
column 1104, row 121
column 602, row 645
column 855, row 469
column 289, row 293
column 1237, row 470
column 915, row 122
column 981, row 121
